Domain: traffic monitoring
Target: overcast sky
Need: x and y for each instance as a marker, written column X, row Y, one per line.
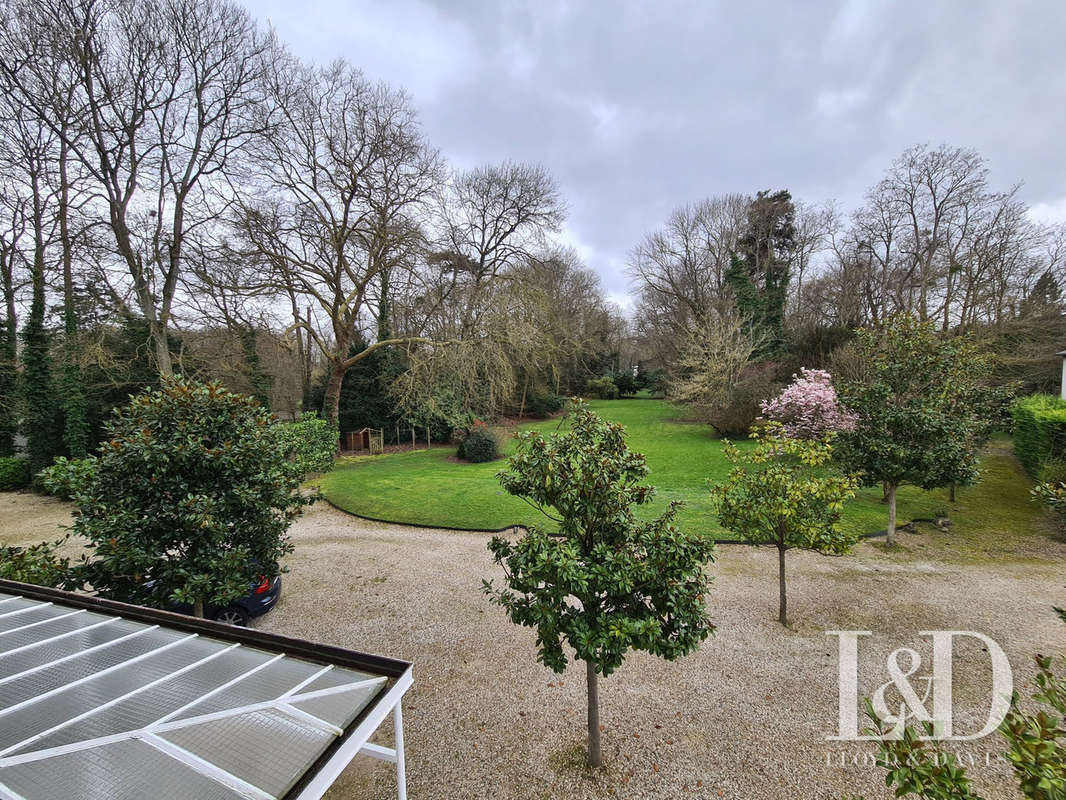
column 637, row 107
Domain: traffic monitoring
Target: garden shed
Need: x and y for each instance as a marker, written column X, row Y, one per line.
column 369, row 439
column 107, row 701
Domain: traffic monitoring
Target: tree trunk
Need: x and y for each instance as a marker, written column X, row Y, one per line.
column 75, row 424
column 782, row 608
column 594, row 759
column 951, row 490
column 890, row 532
column 331, row 403
column 198, row 608
column 163, row 364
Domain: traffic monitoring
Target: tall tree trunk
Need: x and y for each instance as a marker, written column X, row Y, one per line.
column 331, row 402
column 951, row 491
column 595, row 759
column 782, row 605
column 163, row 363
column 8, row 356
column 890, row 532
column 307, row 363
column 75, row 416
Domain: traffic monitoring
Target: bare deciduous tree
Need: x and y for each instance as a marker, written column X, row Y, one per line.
column 164, row 94
column 346, row 172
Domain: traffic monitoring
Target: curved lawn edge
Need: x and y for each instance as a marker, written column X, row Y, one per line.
column 870, row 535
column 427, row 525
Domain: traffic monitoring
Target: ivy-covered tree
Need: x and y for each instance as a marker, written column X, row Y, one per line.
column 784, row 493
column 43, row 422
column 920, row 405
column 600, row 582
column 8, row 386
column 188, row 500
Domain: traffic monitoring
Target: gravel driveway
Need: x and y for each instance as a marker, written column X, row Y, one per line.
column 745, row 717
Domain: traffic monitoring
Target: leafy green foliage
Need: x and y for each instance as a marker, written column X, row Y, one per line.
column 188, row 500
column 921, row 408
column 1036, row 750
column 602, row 583
column 1053, row 471
column 479, row 444
column 784, row 493
column 43, row 421
column 1039, row 430
column 39, row 564
column 603, row 388
column 1038, row 741
column 760, row 273
column 657, row 381
column 920, row 766
column 66, row 478
column 543, row 404
column 741, row 404
column 1053, row 495
column 916, row 406
column 14, row 473
column 365, row 401
column 310, row 442
column 627, row 384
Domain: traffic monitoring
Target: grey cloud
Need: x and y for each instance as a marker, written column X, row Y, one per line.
column 639, row 107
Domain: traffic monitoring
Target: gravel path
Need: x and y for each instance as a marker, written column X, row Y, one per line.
column 745, row 717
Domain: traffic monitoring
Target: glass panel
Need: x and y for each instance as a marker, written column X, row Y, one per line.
column 265, row 748
column 23, row 617
column 341, row 708
column 38, row 633
column 142, row 709
column 55, row 677
column 13, row 603
column 335, row 677
column 44, row 714
column 267, row 684
column 123, row 771
column 14, row 663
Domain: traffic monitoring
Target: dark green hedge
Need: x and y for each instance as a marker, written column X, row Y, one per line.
column 1039, row 430
column 14, row 473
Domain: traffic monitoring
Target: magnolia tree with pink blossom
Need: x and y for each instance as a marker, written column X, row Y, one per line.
column 808, row 408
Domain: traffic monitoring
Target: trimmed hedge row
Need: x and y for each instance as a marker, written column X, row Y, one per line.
column 1039, row 431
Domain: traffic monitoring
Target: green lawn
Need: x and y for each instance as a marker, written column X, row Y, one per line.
column 426, row 487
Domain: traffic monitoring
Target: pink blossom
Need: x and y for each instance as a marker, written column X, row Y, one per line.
column 808, row 408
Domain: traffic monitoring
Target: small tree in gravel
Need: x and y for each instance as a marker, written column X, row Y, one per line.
column 188, row 500
column 601, row 582
column 920, row 409
column 783, row 493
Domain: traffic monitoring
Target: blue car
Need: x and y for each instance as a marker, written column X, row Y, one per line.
column 262, row 597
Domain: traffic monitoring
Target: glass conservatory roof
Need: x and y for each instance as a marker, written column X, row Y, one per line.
column 104, row 700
